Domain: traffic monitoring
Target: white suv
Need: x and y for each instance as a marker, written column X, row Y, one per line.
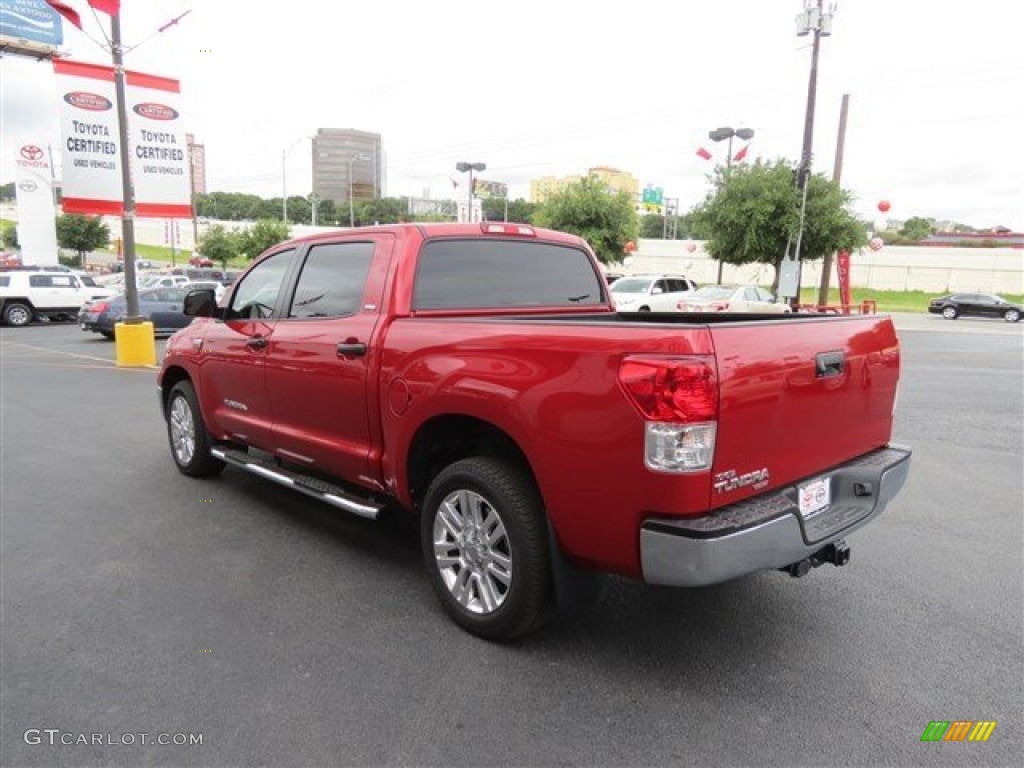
column 30, row 294
column 650, row 293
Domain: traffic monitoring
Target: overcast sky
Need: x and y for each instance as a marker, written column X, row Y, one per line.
column 552, row 88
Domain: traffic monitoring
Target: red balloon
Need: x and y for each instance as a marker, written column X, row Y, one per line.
column 876, row 243
column 629, row 247
column 884, row 206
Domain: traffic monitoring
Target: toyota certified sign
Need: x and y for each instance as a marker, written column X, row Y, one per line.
column 92, row 102
column 32, row 153
column 155, row 111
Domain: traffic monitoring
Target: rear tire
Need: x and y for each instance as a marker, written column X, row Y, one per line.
column 950, row 313
column 17, row 314
column 1012, row 315
column 107, row 335
column 187, row 435
column 484, row 541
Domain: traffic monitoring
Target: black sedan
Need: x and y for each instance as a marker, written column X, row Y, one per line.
column 161, row 306
column 975, row 304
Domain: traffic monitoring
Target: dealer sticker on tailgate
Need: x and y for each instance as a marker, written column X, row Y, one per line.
column 814, row 496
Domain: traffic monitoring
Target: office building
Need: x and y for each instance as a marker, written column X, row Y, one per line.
column 346, row 160
column 617, row 181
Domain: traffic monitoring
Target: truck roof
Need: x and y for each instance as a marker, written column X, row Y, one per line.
column 452, row 229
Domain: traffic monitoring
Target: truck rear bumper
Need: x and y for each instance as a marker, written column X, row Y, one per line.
column 768, row 531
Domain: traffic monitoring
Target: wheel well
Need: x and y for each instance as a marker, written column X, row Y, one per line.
column 172, row 376
column 447, row 439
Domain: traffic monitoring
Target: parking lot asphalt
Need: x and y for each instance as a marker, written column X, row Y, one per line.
column 134, row 600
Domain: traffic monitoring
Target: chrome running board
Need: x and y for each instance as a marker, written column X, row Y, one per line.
column 332, row 494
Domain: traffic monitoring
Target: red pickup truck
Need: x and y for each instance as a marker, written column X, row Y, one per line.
column 478, row 376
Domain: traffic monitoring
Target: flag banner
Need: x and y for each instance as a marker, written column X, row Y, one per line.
column 741, row 154
column 110, row 7
column 159, row 152
column 88, row 126
column 843, row 268
column 701, row 152
column 37, row 229
column 66, row 11
column 89, row 131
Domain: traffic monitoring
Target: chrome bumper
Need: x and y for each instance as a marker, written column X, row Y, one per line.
column 767, row 531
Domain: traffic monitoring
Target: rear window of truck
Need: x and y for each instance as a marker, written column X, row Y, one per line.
column 501, row 274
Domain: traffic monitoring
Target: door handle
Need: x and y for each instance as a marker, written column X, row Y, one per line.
column 256, row 342
column 351, row 348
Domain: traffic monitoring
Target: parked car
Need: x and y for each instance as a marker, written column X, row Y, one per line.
column 731, row 298
column 650, row 293
column 161, row 306
column 32, row 294
column 218, row 288
column 975, row 304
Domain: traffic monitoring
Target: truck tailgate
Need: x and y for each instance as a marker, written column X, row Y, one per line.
column 797, row 398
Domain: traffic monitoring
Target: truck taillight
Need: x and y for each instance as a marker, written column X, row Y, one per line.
column 678, row 398
column 98, row 307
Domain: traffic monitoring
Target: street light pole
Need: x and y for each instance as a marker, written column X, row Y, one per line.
column 284, row 174
column 720, row 134
column 131, row 292
column 470, row 167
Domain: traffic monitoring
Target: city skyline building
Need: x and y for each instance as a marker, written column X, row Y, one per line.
column 617, row 180
column 197, row 162
column 347, row 161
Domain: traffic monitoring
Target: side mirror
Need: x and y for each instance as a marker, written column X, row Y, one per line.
column 201, row 303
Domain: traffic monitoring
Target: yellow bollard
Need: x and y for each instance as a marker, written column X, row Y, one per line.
column 135, row 343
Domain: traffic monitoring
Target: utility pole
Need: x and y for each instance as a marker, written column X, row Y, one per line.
column 837, row 172
column 812, row 20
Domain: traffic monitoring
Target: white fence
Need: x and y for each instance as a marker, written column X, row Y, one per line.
column 894, row 268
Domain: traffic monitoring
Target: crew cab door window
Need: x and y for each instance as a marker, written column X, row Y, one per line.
column 255, row 298
column 332, row 280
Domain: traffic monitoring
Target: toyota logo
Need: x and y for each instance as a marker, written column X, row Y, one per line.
column 27, row 186
column 30, row 152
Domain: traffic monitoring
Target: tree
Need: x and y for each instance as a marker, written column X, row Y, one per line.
column 519, row 211
column 10, row 235
column 81, row 234
column 754, row 211
column 605, row 219
column 220, row 245
column 262, row 235
column 380, row 210
column 917, row 228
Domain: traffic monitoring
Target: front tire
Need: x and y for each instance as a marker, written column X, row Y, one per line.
column 1012, row 315
column 950, row 313
column 484, row 540
column 17, row 314
column 187, row 435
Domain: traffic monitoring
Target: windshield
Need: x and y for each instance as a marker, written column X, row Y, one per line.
column 631, row 285
column 714, row 292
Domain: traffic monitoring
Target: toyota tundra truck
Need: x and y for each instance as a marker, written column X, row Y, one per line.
column 478, row 377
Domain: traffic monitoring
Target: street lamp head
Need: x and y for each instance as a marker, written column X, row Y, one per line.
column 721, row 134
column 463, row 166
column 745, row 133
